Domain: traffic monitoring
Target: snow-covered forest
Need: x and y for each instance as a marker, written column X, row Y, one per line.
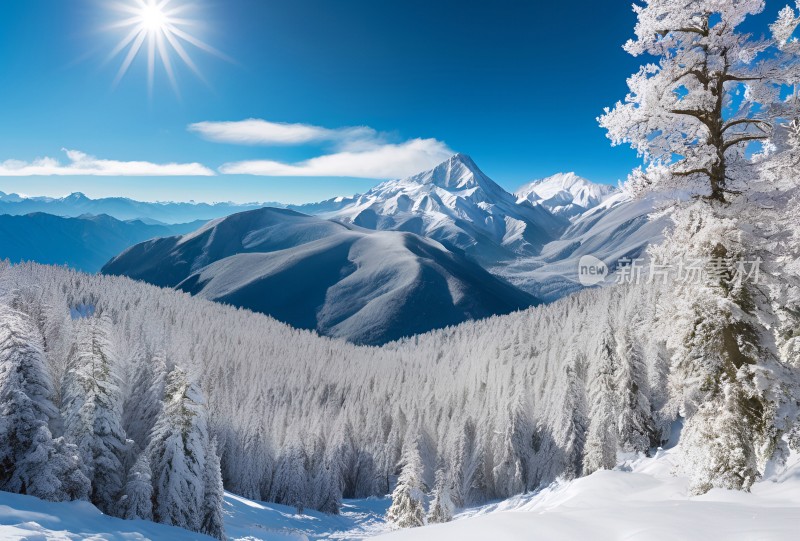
column 147, row 402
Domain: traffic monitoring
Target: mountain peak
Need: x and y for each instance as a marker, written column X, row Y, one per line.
column 565, row 194
column 456, row 173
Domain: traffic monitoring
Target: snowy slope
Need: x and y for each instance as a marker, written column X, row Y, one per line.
column 458, row 205
column 28, row 518
column 365, row 286
column 617, row 228
column 645, row 502
column 639, row 500
column 565, row 194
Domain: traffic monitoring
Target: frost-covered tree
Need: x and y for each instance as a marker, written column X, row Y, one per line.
column 408, row 498
column 328, row 485
column 31, row 461
column 290, row 484
column 137, row 497
column 213, row 522
column 601, row 440
column 441, row 507
column 510, row 472
column 468, row 464
column 634, row 424
column 92, row 410
column 177, row 454
column 145, row 396
column 714, row 91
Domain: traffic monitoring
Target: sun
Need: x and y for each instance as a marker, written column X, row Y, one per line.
column 153, row 18
column 161, row 30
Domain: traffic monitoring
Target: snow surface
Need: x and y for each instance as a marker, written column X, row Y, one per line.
column 641, row 499
column 32, row 519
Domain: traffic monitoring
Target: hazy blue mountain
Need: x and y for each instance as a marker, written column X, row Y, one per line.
column 84, row 243
column 122, row 208
column 339, row 279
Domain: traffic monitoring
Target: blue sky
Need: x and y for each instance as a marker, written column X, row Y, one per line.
column 516, row 84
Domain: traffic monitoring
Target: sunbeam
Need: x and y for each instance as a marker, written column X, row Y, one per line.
column 158, row 29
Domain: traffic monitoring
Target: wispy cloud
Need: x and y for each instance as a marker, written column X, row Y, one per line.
column 82, row 164
column 255, row 131
column 385, row 161
column 357, row 152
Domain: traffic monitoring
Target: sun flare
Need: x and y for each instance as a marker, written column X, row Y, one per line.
column 160, row 30
column 153, row 18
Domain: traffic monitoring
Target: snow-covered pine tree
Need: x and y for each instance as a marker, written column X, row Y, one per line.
column 466, row 456
column 575, row 409
column 213, row 522
column 600, row 452
column 92, row 410
column 290, row 484
column 137, row 497
column 510, row 472
column 634, row 424
column 145, row 397
column 177, row 454
column 31, row 461
column 328, row 485
column 717, row 350
column 441, row 507
column 715, row 90
column 408, row 498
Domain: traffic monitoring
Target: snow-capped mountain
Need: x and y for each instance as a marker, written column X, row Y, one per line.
column 565, row 194
column 339, row 279
column 456, row 204
column 122, row 208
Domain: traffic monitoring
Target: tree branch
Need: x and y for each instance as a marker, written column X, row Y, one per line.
column 734, row 142
column 744, row 121
column 702, row 170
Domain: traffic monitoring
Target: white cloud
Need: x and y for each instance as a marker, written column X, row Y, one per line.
column 255, row 131
column 384, row 161
column 83, row 164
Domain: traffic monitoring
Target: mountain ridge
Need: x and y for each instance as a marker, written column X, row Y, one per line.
column 369, row 287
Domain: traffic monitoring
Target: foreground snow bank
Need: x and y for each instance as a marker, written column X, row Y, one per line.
column 31, row 519
column 641, row 500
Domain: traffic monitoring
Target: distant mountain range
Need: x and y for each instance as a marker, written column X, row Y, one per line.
column 84, row 243
column 122, row 208
column 409, row 255
column 339, row 279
